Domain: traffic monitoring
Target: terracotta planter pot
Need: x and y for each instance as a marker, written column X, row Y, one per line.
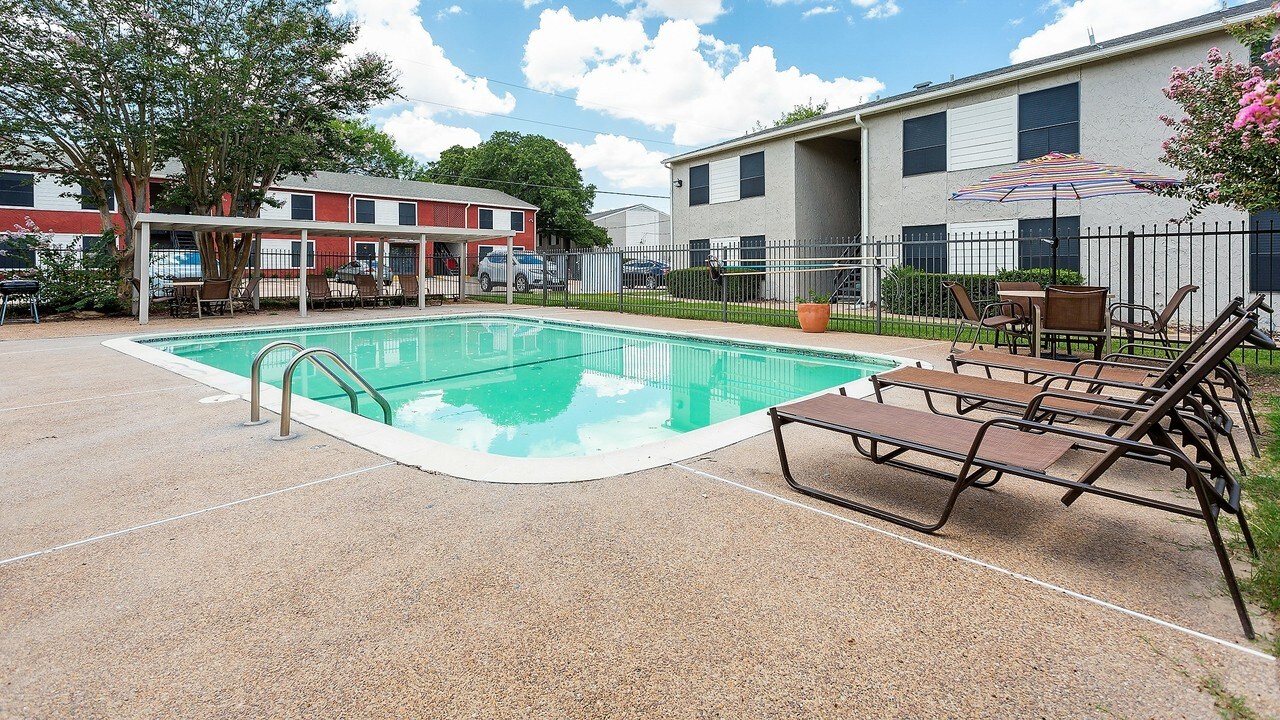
column 813, row 316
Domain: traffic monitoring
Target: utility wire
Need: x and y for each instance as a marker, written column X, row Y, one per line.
column 541, row 122
column 537, row 185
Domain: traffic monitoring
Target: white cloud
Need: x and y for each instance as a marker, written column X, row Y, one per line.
column 531, row 3
column 446, row 12
column 1108, row 18
column 878, row 8
column 625, row 163
column 699, row 87
column 820, row 10
column 415, row 131
column 698, row 11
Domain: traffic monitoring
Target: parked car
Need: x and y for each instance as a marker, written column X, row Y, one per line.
column 165, row 267
column 649, row 273
column 347, row 273
column 530, row 271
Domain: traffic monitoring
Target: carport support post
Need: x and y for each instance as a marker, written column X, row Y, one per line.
column 381, row 271
column 257, row 268
column 302, row 277
column 511, row 267
column 422, row 272
column 142, row 253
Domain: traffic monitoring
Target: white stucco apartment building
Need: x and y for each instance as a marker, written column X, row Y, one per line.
column 885, row 169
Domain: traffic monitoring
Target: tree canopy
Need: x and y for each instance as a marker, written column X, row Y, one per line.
column 370, row 151
column 535, row 169
column 796, row 114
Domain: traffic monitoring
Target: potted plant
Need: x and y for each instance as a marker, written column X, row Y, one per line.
column 814, row 311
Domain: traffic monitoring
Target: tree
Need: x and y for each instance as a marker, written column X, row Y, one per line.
column 795, row 114
column 254, row 91
column 535, row 169
column 369, row 151
column 1227, row 159
column 78, row 81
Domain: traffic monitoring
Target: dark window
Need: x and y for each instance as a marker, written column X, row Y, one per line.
column 699, row 184
column 699, row 251
column 486, row 219
column 751, row 250
column 1264, row 251
column 517, row 221
column 365, row 212
column 408, row 213
column 366, row 251
column 485, row 251
column 1034, row 252
column 924, row 144
column 94, row 245
column 924, row 247
column 296, row 250
column 17, row 189
column 11, row 258
column 302, row 207
column 87, row 200
column 751, row 175
column 1049, row 121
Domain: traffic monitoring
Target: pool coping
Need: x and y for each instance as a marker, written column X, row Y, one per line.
column 434, row 456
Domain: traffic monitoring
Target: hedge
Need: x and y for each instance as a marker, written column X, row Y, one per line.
column 907, row 291
column 696, row 284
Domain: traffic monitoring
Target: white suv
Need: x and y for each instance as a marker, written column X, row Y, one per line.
column 530, row 271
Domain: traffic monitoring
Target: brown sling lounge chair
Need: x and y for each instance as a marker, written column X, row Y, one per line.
column 1158, row 324
column 409, row 288
column 320, row 293
column 986, row 452
column 368, row 290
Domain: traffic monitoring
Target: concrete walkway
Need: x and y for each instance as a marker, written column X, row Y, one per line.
column 159, row 559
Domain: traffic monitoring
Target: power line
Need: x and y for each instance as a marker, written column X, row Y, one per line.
column 536, row 185
column 541, row 122
column 574, row 100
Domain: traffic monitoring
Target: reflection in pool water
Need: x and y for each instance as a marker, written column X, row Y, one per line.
column 530, row 389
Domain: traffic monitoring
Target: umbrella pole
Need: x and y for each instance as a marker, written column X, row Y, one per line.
column 1053, row 245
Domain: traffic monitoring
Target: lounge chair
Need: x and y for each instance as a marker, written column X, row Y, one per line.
column 368, row 290
column 409, row 288
column 320, row 293
column 1008, row 446
column 215, row 294
column 244, row 298
column 1158, row 325
column 999, row 316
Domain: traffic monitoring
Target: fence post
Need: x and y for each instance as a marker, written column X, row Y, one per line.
column 568, row 258
column 879, row 304
column 619, row 259
column 1129, row 274
column 724, row 297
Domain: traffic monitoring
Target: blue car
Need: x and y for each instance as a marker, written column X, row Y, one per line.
column 649, row 273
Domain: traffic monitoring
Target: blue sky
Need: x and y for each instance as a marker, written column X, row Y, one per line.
column 625, row 83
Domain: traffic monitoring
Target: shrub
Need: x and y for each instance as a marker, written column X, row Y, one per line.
column 69, row 279
column 907, row 291
column 696, row 284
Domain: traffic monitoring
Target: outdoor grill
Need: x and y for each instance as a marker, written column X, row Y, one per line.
column 19, row 290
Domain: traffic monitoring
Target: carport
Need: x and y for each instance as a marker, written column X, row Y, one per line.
column 420, row 234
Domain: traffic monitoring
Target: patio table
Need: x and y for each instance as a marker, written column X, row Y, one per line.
column 1036, row 298
column 184, row 296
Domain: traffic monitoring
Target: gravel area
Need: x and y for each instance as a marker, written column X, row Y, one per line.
column 239, row 577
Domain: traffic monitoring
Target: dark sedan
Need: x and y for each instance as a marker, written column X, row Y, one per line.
column 649, row 273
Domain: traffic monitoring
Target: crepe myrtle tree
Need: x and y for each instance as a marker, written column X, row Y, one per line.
column 1226, row 140
column 255, row 91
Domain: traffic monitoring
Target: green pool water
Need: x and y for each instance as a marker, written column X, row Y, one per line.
column 524, row 388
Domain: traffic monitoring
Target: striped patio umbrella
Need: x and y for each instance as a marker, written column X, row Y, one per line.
column 1061, row 175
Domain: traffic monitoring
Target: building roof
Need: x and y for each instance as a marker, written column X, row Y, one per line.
column 407, row 189
column 639, row 206
column 1199, row 25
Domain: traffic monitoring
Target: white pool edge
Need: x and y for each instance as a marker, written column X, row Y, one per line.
column 433, row 456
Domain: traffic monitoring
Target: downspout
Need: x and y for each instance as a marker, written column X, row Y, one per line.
column 870, row 281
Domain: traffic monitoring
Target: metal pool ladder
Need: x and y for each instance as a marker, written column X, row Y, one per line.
column 286, row 399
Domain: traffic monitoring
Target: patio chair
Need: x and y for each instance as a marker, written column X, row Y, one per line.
column 1000, row 316
column 1022, row 304
column 1158, row 324
column 244, row 298
column 981, row 454
column 368, row 290
column 1075, row 312
column 320, row 293
column 216, row 294
column 409, row 288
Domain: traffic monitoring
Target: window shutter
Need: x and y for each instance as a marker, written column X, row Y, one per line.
column 751, row 174
column 751, row 250
column 486, row 219
column 924, row 247
column 700, row 185
column 17, row 189
column 1049, row 121
column 366, row 211
column 517, row 220
column 699, row 251
column 302, row 207
column 1264, row 251
column 408, row 213
column 924, row 144
column 1033, row 252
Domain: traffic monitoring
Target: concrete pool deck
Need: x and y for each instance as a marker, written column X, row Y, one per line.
column 157, row 558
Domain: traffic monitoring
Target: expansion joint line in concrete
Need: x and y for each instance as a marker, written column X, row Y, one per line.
column 985, row 565
column 98, row 397
column 193, row 513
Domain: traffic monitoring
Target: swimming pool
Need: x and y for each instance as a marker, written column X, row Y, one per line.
column 493, row 391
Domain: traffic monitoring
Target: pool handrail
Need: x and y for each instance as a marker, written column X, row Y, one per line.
column 255, row 384
column 286, row 396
